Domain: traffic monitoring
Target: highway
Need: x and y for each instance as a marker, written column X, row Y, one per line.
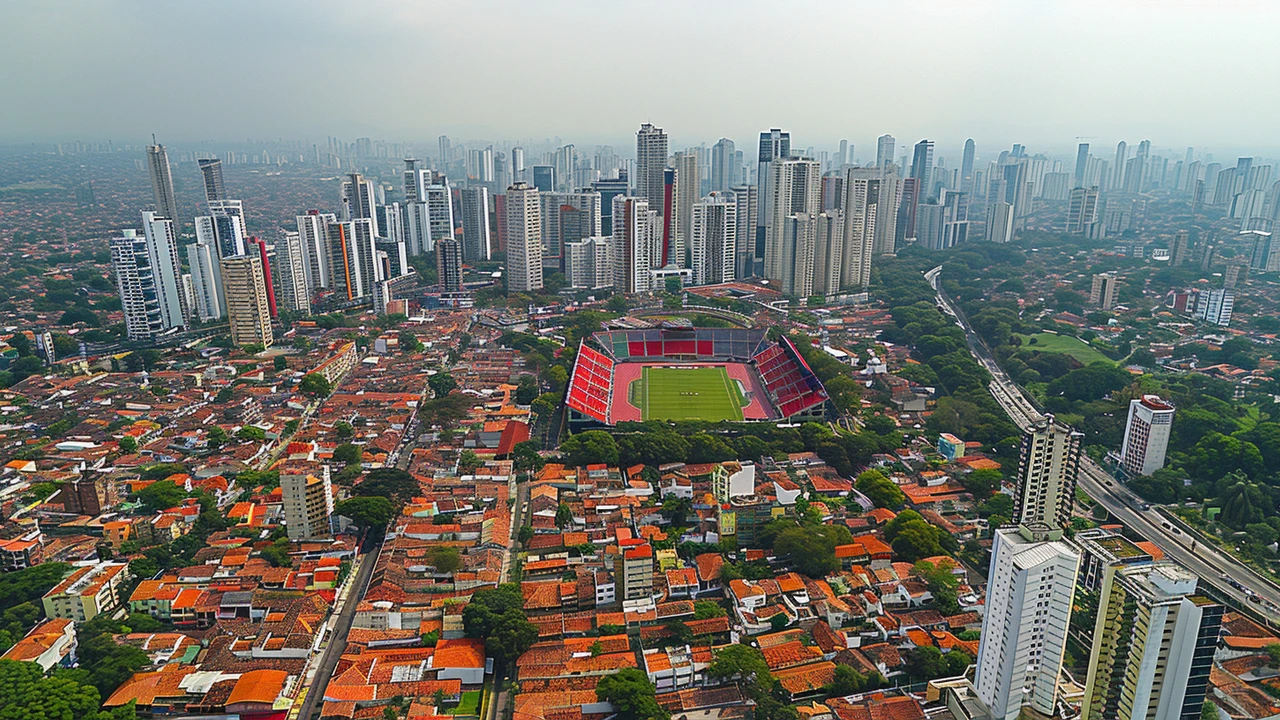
column 1213, row 566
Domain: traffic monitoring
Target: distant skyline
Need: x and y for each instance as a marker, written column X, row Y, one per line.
column 1040, row 74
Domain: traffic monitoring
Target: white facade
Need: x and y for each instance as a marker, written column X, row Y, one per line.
column 206, row 281
column 588, row 264
column 1215, row 306
column 162, row 247
column 828, row 252
column 1048, row 464
column 861, row 213
column 637, row 244
column 794, row 188
column 651, row 160
column 289, row 268
column 713, row 242
column 687, row 191
column 524, row 238
column 358, row 200
column 1029, row 594
column 1146, row 435
column 313, row 240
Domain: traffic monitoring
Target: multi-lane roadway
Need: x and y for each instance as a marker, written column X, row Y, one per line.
column 1228, row 575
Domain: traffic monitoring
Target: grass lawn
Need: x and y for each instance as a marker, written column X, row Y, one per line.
column 1075, row 347
column 470, row 703
column 703, row 393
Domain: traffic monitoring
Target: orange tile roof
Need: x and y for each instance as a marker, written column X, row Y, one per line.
column 459, row 653
column 258, row 686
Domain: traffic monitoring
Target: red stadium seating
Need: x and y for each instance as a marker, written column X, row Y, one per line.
column 787, row 378
column 591, row 386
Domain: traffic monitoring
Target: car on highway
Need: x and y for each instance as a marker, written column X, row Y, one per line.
column 1255, row 599
column 1146, row 506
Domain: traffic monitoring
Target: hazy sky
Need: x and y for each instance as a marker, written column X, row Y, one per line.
column 1041, row 73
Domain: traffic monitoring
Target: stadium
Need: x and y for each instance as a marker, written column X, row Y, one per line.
column 673, row 373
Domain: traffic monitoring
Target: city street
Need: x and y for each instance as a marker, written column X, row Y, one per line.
column 1213, row 566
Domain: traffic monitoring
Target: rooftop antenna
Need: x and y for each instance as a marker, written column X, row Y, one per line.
column 153, row 138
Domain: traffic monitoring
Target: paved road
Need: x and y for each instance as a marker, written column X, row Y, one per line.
column 1212, row 566
column 338, row 638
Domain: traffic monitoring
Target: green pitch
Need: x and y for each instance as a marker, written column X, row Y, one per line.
column 703, row 393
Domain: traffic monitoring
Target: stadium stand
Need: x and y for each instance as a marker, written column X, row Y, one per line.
column 592, row 384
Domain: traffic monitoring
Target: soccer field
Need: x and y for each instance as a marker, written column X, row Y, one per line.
column 699, row 393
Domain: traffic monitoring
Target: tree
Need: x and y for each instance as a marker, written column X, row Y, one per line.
column 744, row 664
column 251, row 433
column 497, row 615
column 526, row 390
column 913, row 538
column 343, row 430
column 445, row 559
column 880, row 490
column 982, row 483
column 366, row 511
column 631, row 694
column 280, row 362
column 590, row 447
column 468, row 461
column 25, row 694
column 846, row 681
column 525, row 455
column 128, row 445
column 278, row 553
column 393, row 483
column 441, row 383
column 408, row 341
column 348, row 454
column 811, row 549
column 1209, row 711
column 315, row 385
column 564, row 516
column 706, row 609
column 161, row 495
column 525, row 534
column 942, row 585
column 925, row 663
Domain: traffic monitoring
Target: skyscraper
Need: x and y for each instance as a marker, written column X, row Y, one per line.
column 308, row 500
column 211, row 172
column 1048, row 463
column 1102, row 294
column 476, row 243
column 637, row 244
column 523, row 230
column 861, row 215
column 1146, row 435
column 713, row 241
column 247, row 302
column 773, row 145
column 291, row 276
column 147, row 277
column 609, row 188
column 162, row 182
column 1000, row 222
column 828, row 252
column 449, row 264
column 1082, row 163
column 651, row 160
column 206, row 281
column 313, row 236
column 794, row 187
column 686, row 194
column 1030, row 590
column 1153, row 645
column 1117, row 170
column 1082, row 210
column 588, row 264
column 746, row 197
column 350, row 249
column 922, row 169
column 966, row 166
column 884, row 151
column 358, row 200
column 955, row 218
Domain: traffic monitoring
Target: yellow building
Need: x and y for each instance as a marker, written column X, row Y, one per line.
column 247, row 303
